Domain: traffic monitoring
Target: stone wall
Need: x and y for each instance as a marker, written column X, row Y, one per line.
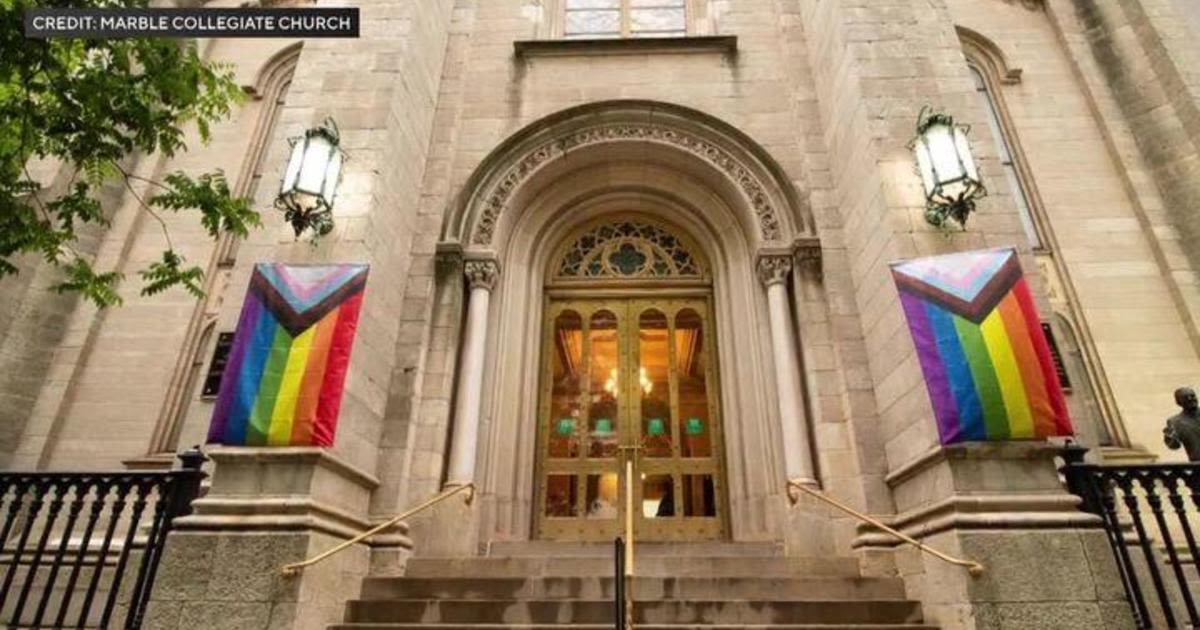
column 829, row 89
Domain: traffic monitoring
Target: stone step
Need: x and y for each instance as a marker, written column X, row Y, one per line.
column 645, row 588
column 641, row 627
column 605, row 549
column 647, row 566
column 662, row 612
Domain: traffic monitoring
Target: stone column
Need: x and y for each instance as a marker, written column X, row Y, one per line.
column 481, row 278
column 773, row 271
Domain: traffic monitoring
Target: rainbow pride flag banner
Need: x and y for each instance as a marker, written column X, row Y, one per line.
column 986, row 363
column 283, row 381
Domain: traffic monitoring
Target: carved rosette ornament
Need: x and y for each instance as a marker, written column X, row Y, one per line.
column 481, row 274
column 774, row 269
column 495, row 199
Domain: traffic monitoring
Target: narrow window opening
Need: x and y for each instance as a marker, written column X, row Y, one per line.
column 1007, row 161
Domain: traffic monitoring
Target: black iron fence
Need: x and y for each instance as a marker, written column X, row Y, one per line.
column 1151, row 514
column 80, row 550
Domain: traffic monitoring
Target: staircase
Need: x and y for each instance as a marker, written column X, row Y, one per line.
column 549, row 586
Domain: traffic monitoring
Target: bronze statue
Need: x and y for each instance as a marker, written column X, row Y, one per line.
column 1184, row 427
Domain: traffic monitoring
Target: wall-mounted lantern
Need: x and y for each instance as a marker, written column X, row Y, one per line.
column 947, row 168
column 311, row 179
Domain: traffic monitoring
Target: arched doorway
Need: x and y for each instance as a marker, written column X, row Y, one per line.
column 703, row 183
column 628, row 377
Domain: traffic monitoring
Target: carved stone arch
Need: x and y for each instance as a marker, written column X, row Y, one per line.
column 276, row 71
column 481, row 214
column 982, row 51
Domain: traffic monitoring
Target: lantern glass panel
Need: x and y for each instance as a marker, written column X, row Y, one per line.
column 964, row 153
column 944, row 153
column 925, row 166
column 332, row 176
column 316, row 160
column 293, row 167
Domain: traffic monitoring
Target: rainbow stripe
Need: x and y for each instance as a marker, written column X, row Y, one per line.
column 979, row 340
column 283, row 381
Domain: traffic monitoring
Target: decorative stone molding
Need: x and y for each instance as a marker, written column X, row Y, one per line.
column 774, row 269
column 808, row 260
column 1015, row 450
column 496, row 199
column 985, row 512
column 481, row 273
column 310, row 489
column 720, row 44
column 983, row 51
column 448, row 260
column 1032, row 5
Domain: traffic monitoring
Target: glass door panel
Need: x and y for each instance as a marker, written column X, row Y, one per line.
column 579, row 487
column 692, row 378
column 565, row 386
column 653, row 372
column 604, row 385
column 628, row 376
column 678, row 469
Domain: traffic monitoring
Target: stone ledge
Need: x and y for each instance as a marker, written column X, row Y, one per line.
column 294, row 455
column 156, row 461
column 978, row 450
column 974, row 512
column 262, row 489
column 724, row 44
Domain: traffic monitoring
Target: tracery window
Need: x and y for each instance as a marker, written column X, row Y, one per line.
column 624, row 18
column 628, row 248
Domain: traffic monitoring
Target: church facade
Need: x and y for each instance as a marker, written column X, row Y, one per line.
column 603, row 227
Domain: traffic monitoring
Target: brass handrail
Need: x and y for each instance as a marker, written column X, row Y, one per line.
column 974, row 568
column 296, row 567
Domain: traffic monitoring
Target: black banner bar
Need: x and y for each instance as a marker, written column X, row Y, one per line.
column 45, row 23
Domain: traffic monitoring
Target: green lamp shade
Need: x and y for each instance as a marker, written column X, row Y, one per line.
column 603, row 426
column 656, row 427
column 566, row 426
column 693, row 426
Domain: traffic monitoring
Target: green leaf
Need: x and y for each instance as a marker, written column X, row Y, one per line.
column 220, row 211
column 170, row 272
column 99, row 288
column 91, row 105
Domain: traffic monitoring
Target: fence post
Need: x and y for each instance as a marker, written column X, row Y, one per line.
column 1078, row 482
column 191, row 462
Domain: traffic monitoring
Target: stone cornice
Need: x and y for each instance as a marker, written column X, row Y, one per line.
column 975, row 512
column 989, row 450
column 321, row 457
column 286, row 514
column 723, row 44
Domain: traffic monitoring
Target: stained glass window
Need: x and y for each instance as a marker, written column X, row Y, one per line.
column 624, row 18
column 628, row 249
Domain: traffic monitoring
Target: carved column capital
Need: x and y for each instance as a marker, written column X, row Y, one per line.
column 774, row 269
column 481, row 273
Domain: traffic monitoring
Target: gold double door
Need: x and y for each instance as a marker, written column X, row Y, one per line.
column 629, row 379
